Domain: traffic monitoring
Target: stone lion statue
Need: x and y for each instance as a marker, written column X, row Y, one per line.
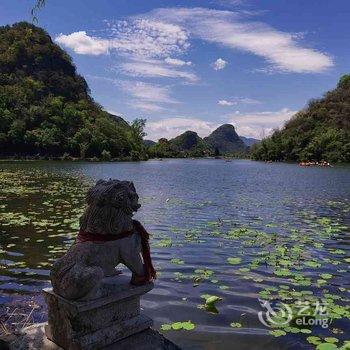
column 108, row 236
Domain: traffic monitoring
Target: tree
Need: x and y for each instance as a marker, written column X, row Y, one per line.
column 46, row 108
column 135, row 136
column 319, row 132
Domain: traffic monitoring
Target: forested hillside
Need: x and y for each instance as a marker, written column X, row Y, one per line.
column 188, row 144
column 222, row 141
column 225, row 140
column 319, row 132
column 45, row 106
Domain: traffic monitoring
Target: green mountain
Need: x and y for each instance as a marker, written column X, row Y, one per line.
column 187, row 141
column 46, row 108
column 319, row 132
column 188, row 144
column 222, row 141
column 149, row 143
column 249, row 141
column 225, row 140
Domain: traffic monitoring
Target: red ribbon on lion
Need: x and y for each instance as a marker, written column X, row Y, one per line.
column 150, row 272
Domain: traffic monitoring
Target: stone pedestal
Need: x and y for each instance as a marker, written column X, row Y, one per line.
column 34, row 338
column 93, row 324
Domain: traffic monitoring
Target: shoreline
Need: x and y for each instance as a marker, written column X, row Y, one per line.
column 125, row 160
column 115, row 160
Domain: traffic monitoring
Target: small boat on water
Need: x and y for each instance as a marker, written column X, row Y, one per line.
column 322, row 164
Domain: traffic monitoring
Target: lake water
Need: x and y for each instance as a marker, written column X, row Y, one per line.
column 239, row 230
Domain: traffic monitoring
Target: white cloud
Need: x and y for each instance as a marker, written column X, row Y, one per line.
column 238, row 100
column 141, row 37
column 226, row 103
column 148, row 37
column 167, row 31
column 84, row 44
column 156, row 69
column 246, row 100
column 172, row 127
column 232, row 30
column 143, row 45
column 146, row 106
column 229, row 3
column 177, row 62
column 144, row 96
column 147, row 92
column 101, row 78
column 259, row 124
column 219, row 64
column 147, row 97
column 255, row 124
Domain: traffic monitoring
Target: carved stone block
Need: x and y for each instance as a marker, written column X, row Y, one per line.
column 93, row 324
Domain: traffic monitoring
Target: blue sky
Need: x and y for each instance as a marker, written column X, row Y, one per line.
column 193, row 65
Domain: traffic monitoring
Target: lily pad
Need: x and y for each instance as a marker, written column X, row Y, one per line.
column 236, row 325
column 165, row 327
column 331, row 340
column 176, row 326
column 326, row 346
column 234, row 261
column 188, row 326
column 277, row 333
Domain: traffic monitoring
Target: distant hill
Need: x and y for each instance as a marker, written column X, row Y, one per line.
column 225, row 140
column 148, row 143
column 249, row 141
column 186, row 141
column 46, row 108
column 222, row 141
column 118, row 119
column 189, row 143
column 319, row 132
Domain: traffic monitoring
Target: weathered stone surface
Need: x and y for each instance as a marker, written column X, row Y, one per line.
column 110, row 207
column 34, row 338
column 146, row 340
column 101, row 337
column 80, row 273
column 114, row 289
column 89, row 306
column 67, row 320
column 95, row 323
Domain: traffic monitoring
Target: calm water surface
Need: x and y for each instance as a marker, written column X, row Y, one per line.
column 285, row 228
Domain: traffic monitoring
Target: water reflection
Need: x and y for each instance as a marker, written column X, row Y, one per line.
column 281, row 225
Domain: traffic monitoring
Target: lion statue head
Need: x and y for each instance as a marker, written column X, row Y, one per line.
column 110, row 207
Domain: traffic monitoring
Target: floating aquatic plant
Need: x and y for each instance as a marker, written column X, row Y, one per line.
column 234, row 261
column 176, row 326
column 235, row 325
column 289, row 261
